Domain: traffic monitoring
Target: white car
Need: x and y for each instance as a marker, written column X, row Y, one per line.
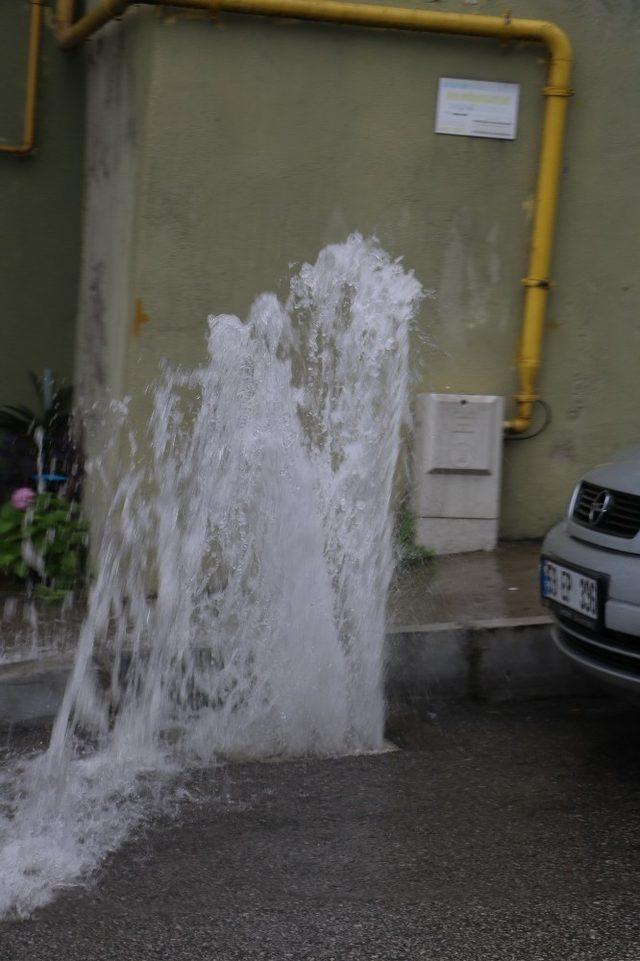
column 590, row 573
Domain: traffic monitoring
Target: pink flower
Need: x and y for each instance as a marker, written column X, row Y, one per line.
column 22, row 498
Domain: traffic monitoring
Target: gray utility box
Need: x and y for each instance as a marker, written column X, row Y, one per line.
column 458, row 460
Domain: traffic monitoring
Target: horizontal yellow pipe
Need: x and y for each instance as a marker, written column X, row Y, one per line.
column 31, row 90
column 360, row 14
column 432, row 21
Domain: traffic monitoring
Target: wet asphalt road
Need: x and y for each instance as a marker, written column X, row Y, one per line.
column 495, row 833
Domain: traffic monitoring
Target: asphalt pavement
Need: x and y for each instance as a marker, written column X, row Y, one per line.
column 494, row 833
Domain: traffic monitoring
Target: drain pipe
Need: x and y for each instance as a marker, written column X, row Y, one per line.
column 31, row 90
column 557, row 91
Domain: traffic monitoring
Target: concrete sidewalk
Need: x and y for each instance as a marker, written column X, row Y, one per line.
column 471, row 626
column 468, row 589
column 460, row 627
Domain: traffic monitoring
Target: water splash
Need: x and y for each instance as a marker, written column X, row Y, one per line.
column 238, row 606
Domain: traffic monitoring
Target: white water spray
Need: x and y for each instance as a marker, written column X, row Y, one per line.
column 238, row 607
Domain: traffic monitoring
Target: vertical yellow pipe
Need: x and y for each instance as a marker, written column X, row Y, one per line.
column 31, row 90
column 537, row 282
column 64, row 13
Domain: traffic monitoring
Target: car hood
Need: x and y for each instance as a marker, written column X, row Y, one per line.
column 621, row 472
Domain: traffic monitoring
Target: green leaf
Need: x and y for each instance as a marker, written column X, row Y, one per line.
column 8, row 526
column 11, row 542
column 69, row 563
column 57, row 517
column 51, row 594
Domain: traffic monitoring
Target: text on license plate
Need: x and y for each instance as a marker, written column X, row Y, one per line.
column 570, row 588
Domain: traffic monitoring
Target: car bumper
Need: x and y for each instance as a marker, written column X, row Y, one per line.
column 610, row 652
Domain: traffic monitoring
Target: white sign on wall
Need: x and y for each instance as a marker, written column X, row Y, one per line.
column 477, row 108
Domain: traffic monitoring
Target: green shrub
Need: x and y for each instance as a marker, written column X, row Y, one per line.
column 409, row 553
column 44, row 545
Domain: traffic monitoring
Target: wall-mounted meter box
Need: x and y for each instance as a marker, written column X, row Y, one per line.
column 458, row 459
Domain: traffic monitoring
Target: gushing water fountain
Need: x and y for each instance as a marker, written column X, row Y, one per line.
column 238, row 604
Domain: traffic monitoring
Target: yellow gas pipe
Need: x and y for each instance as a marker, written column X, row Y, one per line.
column 557, row 90
column 31, row 91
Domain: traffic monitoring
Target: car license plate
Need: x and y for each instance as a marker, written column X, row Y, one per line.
column 570, row 588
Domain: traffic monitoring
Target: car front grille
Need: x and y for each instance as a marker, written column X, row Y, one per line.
column 622, row 517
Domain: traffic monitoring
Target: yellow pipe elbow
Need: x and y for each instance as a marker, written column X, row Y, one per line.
column 69, row 34
column 559, row 46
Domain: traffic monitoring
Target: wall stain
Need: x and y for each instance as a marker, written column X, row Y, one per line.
column 96, row 341
column 140, row 319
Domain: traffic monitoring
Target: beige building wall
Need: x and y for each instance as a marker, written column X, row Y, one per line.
column 239, row 147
